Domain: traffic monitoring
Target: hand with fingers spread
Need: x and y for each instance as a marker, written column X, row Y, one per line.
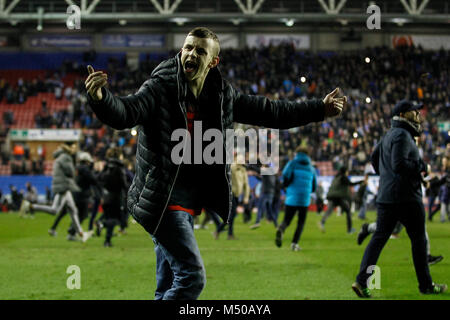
column 333, row 105
column 94, row 83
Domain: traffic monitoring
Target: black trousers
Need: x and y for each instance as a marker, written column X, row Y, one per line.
column 345, row 206
column 319, row 205
column 112, row 216
column 94, row 212
column 412, row 216
column 83, row 206
column 289, row 214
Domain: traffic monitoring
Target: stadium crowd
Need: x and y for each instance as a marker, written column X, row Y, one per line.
column 374, row 79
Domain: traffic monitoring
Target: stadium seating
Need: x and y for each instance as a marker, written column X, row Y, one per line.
column 24, row 113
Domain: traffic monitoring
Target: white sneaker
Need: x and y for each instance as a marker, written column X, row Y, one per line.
column 295, row 247
column 86, row 235
column 52, row 232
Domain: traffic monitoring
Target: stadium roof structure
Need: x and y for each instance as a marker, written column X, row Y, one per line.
column 233, row 12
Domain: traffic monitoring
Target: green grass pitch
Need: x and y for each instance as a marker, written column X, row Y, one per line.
column 33, row 265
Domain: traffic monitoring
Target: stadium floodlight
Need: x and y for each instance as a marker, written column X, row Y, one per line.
column 40, row 18
column 367, row 60
column 368, row 100
column 289, row 22
column 399, row 21
column 236, row 21
column 179, row 20
column 303, row 79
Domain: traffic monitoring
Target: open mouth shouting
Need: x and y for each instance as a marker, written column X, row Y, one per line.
column 190, row 66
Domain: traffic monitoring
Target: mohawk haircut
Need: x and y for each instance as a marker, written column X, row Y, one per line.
column 205, row 33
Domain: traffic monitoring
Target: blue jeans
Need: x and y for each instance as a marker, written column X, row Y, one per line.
column 362, row 210
column 180, row 272
column 265, row 206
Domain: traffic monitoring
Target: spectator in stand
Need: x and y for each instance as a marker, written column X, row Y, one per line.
column 8, row 118
column 18, row 151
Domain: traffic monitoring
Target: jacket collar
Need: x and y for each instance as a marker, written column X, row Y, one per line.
column 399, row 122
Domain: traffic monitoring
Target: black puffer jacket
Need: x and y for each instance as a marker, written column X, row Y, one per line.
column 158, row 109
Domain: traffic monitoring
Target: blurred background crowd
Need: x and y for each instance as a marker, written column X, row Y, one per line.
column 373, row 79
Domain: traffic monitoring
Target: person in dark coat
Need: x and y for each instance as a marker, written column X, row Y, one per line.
column 432, row 193
column 361, row 197
column 268, row 188
column 397, row 160
column 87, row 181
column 166, row 194
column 114, row 182
column 16, row 199
column 339, row 195
column 97, row 193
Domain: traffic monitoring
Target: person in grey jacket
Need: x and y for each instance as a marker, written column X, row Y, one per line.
column 63, row 187
column 397, row 160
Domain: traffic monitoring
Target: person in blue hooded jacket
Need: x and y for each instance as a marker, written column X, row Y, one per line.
column 299, row 178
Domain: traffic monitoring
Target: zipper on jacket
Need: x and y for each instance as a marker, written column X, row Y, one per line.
column 225, row 144
column 178, row 168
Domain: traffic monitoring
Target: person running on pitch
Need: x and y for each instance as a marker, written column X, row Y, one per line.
column 63, row 187
column 397, row 160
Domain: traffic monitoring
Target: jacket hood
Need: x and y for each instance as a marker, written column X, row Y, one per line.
column 59, row 152
column 303, row 158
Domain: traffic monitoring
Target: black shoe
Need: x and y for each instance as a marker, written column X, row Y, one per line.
column 98, row 228
column 279, row 238
column 360, row 291
column 436, row 289
column 107, row 244
column 363, row 233
column 434, row 259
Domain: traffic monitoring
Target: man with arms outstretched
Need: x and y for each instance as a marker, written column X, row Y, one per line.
column 165, row 196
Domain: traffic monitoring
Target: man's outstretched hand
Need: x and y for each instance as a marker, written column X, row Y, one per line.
column 94, row 83
column 334, row 106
